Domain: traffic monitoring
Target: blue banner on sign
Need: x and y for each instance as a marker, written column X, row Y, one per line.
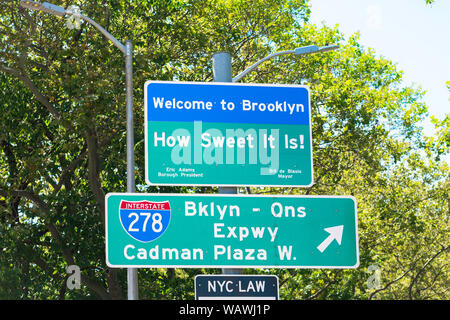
column 227, row 103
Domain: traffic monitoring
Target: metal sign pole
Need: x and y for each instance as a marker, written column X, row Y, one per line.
column 222, row 73
column 132, row 277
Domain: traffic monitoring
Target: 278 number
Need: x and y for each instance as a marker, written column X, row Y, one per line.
column 156, row 221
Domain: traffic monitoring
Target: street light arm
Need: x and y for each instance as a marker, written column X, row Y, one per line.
column 116, row 42
column 61, row 12
column 44, row 7
column 253, row 66
column 298, row 52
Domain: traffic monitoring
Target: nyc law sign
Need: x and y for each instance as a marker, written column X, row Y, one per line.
column 199, row 133
column 236, row 287
column 213, row 231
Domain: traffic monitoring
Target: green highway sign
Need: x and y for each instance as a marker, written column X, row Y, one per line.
column 213, row 231
column 227, row 134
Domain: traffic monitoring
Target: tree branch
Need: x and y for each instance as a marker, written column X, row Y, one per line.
column 70, row 168
column 414, row 280
column 30, row 85
column 315, row 295
column 93, row 172
column 68, row 256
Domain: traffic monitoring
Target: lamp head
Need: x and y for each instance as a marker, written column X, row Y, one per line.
column 306, row 50
column 328, row 48
column 44, row 7
column 313, row 49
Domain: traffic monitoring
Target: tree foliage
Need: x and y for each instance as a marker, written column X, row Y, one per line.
column 62, row 143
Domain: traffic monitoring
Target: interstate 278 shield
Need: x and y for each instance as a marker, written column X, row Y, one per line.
column 144, row 220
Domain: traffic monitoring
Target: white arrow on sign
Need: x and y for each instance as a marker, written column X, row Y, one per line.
column 335, row 233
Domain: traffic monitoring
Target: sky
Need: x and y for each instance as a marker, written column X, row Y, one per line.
column 410, row 33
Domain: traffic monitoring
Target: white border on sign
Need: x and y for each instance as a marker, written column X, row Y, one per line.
column 229, row 266
column 146, row 155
